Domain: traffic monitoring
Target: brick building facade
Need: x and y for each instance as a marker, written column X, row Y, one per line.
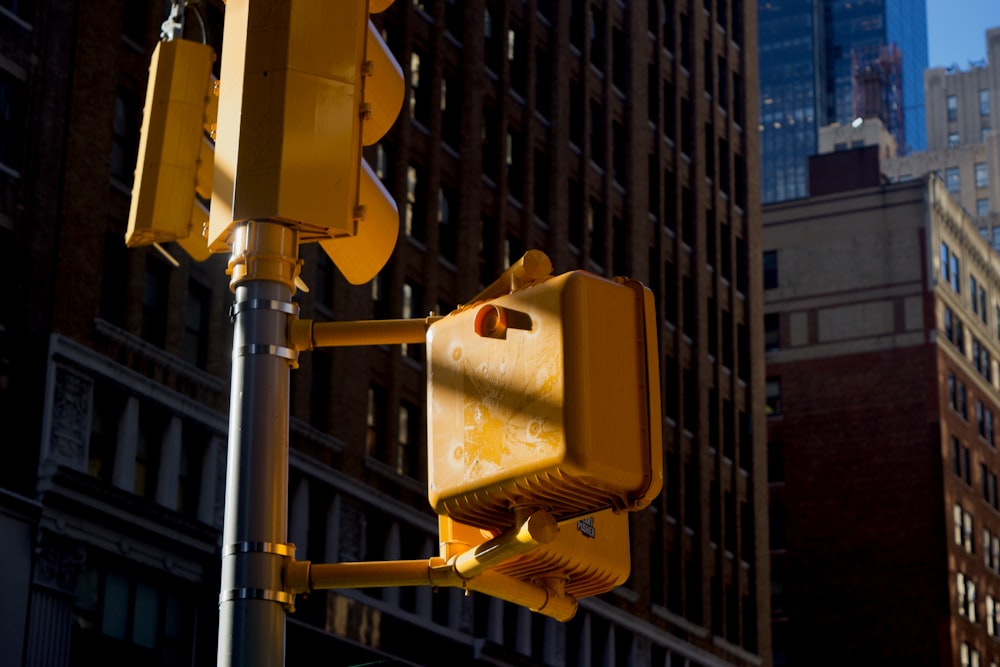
column 881, row 328
column 617, row 137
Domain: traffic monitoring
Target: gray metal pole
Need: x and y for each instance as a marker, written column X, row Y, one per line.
column 252, row 602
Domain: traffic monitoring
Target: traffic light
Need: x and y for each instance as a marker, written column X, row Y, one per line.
column 321, row 83
column 546, row 397
column 589, row 555
column 175, row 149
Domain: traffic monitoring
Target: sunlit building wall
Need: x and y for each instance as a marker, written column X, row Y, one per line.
column 962, row 144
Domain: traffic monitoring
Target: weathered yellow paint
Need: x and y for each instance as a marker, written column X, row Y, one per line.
column 558, row 408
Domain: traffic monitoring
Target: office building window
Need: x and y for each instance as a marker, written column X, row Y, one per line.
column 517, row 61
column 963, row 528
column 953, row 140
column 770, row 269
column 412, row 305
column 122, row 615
column 983, row 208
column 961, row 461
column 11, row 120
column 514, row 161
column 960, row 592
column 542, row 187
column 320, row 381
column 945, row 254
column 952, row 104
column 596, row 231
column 323, row 289
column 380, row 162
column 196, row 319
column 962, row 406
column 965, row 590
column 495, row 46
column 982, row 175
column 492, row 150
column 414, row 213
column 447, row 231
column 992, row 609
column 952, row 182
column 597, row 134
column 408, row 440
column 984, row 102
column 154, row 301
column 956, row 522
column 451, row 109
column 597, row 39
column 576, row 119
column 114, row 266
column 543, row 83
column 125, row 136
column 773, row 397
column 380, row 302
column 968, row 541
column 453, row 18
column 990, row 487
column 618, row 152
column 964, row 655
column 420, row 88
column 375, row 423
column 954, row 273
column 772, row 331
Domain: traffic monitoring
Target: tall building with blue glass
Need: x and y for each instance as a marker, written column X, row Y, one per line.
column 825, row 61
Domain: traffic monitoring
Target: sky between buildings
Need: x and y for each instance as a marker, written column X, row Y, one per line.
column 956, row 30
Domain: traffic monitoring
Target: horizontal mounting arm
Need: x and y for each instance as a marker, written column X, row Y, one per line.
column 469, row 570
column 307, row 334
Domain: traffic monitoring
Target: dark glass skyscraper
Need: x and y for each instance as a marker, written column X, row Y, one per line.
column 825, row 61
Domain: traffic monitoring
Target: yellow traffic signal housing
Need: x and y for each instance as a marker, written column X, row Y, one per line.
column 546, row 397
column 175, row 153
column 305, row 84
column 589, row 556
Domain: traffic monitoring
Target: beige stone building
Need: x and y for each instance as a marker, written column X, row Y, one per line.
column 962, row 146
column 862, row 132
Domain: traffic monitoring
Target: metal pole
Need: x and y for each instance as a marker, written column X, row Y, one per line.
column 253, row 602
